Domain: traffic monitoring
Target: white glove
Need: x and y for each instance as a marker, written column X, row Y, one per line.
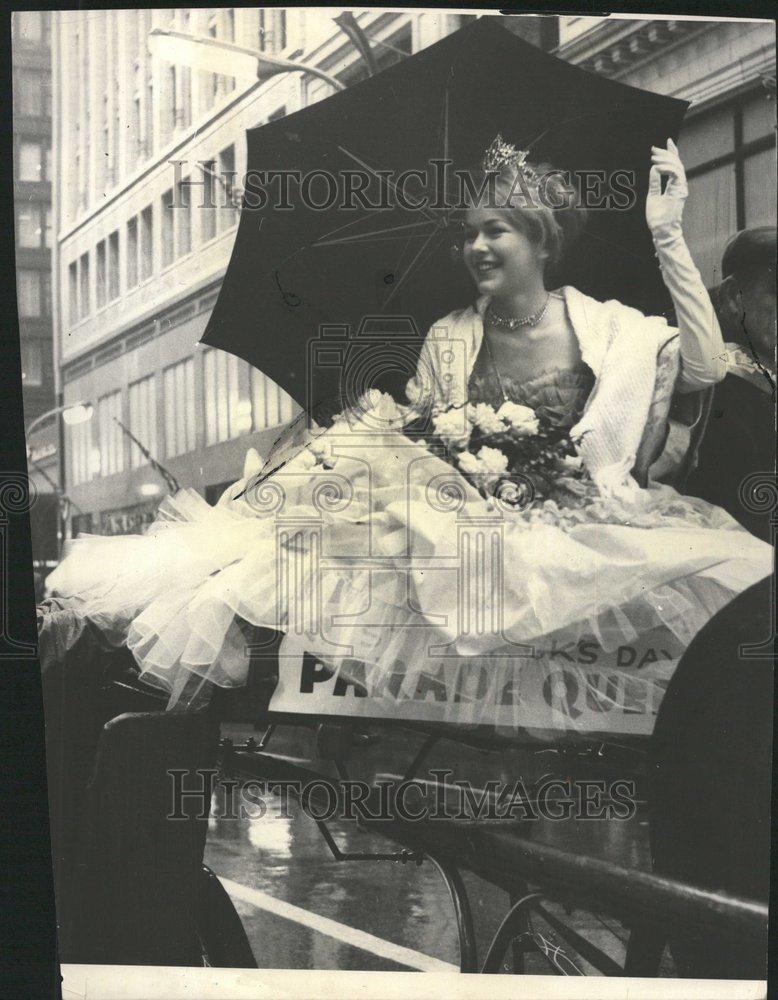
column 665, row 210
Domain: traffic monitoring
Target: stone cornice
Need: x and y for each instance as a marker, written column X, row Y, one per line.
column 614, row 47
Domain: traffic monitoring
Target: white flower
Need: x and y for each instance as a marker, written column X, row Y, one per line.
column 469, row 463
column 387, row 414
column 452, row 427
column 413, row 390
column 418, row 390
column 521, row 418
column 485, row 418
column 321, row 448
column 306, row 459
column 369, row 400
column 493, row 461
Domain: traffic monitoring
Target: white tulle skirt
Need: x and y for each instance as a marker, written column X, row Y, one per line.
column 425, row 598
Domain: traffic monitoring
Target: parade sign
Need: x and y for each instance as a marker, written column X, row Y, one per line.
column 578, row 688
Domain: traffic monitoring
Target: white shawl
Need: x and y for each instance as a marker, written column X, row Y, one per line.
column 635, row 361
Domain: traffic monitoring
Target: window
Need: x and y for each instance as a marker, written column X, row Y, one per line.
column 84, row 460
column 47, row 169
column 111, row 438
column 46, row 292
column 30, row 161
column 730, row 159
column 143, row 418
column 84, row 303
column 270, row 405
column 227, row 215
column 227, row 402
column 32, row 367
column 113, row 266
column 184, row 96
column 146, row 243
column 132, row 252
column 105, row 145
column 208, row 207
column 28, row 290
column 100, row 287
column 171, row 112
column 48, row 227
column 148, row 118
column 116, row 128
column 28, row 226
column 219, row 27
column 179, row 408
column 168, row 245
column 272, row 30
column 29, row 25
column 73, row 293
column 759, row 189
column 183, row 216
column 135, row 129
column 29, row 91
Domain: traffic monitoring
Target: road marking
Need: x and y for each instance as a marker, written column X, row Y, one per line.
column 333, row 928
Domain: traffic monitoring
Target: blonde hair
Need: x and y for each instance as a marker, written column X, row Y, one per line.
column 538, row 199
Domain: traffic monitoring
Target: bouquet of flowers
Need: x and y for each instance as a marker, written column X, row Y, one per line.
column 511, row 452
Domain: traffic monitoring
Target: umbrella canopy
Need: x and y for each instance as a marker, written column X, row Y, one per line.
column 320, row 278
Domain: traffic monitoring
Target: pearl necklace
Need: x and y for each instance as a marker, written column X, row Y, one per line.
column 514, row 322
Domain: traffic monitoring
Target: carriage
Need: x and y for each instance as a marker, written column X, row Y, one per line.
column 132, row 887
column 690, row 732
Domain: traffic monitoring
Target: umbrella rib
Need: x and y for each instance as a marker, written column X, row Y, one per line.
column 397, row 231
column 373, row 171
column 356, row 222
column 406, row 274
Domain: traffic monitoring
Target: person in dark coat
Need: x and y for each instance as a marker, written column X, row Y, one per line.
column 739, row 440
column 710, row 776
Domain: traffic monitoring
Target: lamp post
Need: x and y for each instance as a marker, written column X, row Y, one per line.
column 214, row 55
column 70, row 414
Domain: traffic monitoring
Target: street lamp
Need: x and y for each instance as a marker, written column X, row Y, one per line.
column 71, row 414
column 226, row 58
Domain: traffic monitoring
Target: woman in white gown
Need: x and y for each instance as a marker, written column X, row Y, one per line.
column 393, row 570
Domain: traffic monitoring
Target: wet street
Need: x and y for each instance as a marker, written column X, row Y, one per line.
column 302, row 909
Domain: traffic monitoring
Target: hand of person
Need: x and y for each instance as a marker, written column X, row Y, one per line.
column 664, row 210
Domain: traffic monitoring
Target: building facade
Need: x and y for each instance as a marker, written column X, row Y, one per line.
column 34, row 240
column 726, row 69
column 135, row 281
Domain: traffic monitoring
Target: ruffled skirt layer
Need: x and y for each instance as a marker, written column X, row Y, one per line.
column 419, row 598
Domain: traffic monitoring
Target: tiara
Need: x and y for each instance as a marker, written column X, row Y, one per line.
column 501, row 154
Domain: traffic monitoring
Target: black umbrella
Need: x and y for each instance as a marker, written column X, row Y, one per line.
column 313, row 292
